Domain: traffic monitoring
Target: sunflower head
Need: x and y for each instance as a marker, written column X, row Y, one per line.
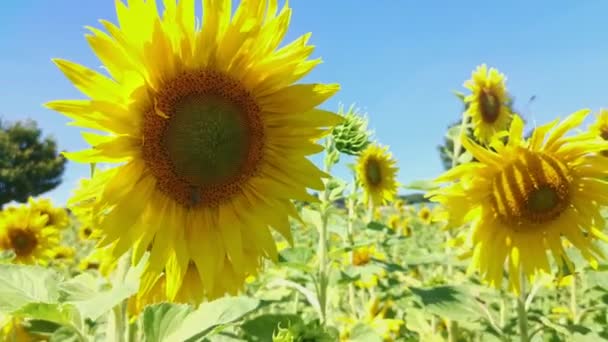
column 524, row 196
column 425, row 215
column 101, row 259
column 600, row 126
column 25, row 232
column 15, row 329
column 363, row 255
column 56, row 217
column 488, row 103
column 64, row 253
column 377, row 172
column 394, row 221
column 211, row 130
column 351, row 136
column 86, row 233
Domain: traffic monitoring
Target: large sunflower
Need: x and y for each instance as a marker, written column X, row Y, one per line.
column 377, row 172
column 487, row 106
column 524, row 196
column 25, row 232
column 212, row 131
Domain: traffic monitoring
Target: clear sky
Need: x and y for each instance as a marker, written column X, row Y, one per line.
column 398, row 60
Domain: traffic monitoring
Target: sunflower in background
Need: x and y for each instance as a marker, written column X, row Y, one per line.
column 57, row 217
column 377, row 317
column 101, row 259
column 212, row 131
column 425, row 215
column 377, row 172
column 25, row 232
column 13, row 329
column 525, row 195
column 362, row 257
column 64, row 254
column 600, row 127
column 487, row 105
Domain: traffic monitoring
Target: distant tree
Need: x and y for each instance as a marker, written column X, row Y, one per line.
column 29, row 165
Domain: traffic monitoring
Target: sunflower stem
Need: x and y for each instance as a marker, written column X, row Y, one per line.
column 329, row 161
column 573, row 306
column 370, row 211
column 120, row 328
column 351, row 241
column 522, row 315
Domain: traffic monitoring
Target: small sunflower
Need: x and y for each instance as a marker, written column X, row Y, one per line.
column 26, row 233
column 600, row 127
column 362, row 257
column 524, row 196
column 211, row 131
column 57, row 217
column 64, row 253
column 13, row 329
column 487, row 106
column 377, row 172
column 425, row 215
column 101, row 259
column 86, row 232
column 376, row 317
column 394, row 222
column 406, row 230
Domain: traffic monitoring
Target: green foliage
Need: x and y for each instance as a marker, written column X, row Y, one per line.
column 177, row 322
column 29, row 165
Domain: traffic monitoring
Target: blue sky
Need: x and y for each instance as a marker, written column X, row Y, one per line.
column 398, row 60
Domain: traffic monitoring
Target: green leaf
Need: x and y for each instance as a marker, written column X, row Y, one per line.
column 65, row 334
column 161, row 320
column 597, row 278
column 296, row 255
column 465, row 157
column 262, row 327
column 423, row 185
column 364, row 333
column 104, row 301
column 377, row 226
column 311, row 216
column 6, row 256
column 459, row 95
column 58, row 313
column 21, row 285
column 451, row 302
column 213, row 314
column 79, row 288
column 41, row 327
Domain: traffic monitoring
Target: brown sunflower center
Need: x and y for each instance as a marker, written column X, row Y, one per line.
column 203, row 139
column 87, row 231
column 373, row 172
column 489, row 105
column 533, row 189
column 22, row 241
column 361, row 257
column 604, row 133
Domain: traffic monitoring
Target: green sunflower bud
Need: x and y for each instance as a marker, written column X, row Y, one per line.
column 352, row 135
column 283, row 334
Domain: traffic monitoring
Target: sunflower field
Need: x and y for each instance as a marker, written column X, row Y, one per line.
column 204, row 217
